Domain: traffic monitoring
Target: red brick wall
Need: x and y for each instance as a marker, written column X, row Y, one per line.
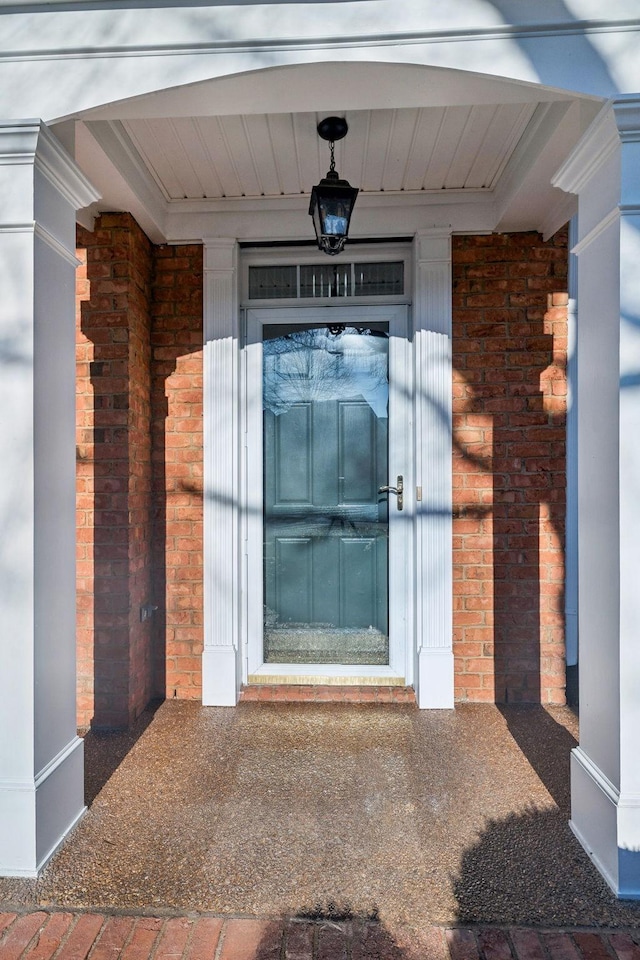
column 140, row 424
column 114, row 472
column 178, row 467
column 509, row 354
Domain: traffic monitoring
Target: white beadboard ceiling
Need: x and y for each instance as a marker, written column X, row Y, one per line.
column 237, row 156
column 280, row 154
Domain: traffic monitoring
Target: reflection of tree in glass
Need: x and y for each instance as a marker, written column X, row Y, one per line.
column 315, row 365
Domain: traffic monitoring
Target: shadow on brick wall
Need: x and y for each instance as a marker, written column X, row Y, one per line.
column 509, row 347
column 177, row 455
column 509, row 357
column 115, row 681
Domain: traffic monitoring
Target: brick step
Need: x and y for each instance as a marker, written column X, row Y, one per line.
column 327, row 693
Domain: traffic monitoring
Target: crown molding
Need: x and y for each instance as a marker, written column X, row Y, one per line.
column 62, row 171
column 627, row 116
column 31, row 142
column 598, row 144
column 518, row 32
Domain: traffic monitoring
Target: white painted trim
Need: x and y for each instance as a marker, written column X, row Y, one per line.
column 393, row 223
column 612, row 217
column 540, row 129
column 31, row 142
column 25, row 806
column 44, row 860
column 354, row 253
column 432, row 320
column 283, row 203
column 220, row 676
column 599, row 778
column 562, row 213
column 36, row 228
column 594, row 802
column 12, row 784
column 626, row 110
column 435, row 677
column 18, row 141
column 112, row 139
column 56, row 246
column 594, row 149
column 57, row 761
column 62, row 172
column 229, row 623
column 272, row 44
column 27, row 227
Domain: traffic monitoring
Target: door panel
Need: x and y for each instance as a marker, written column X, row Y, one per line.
column 357, row 452
column 286, row 439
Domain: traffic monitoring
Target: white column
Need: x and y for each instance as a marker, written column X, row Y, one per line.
column 604, row 171
column 221, row 659
column 41, row 758
column 433, row 444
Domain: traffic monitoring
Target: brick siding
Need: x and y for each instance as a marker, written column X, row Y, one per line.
column 509, row 404
column 140, row 469
column 176, row 340
column 113, row 472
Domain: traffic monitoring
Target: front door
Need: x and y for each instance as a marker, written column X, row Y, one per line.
column 323, row 414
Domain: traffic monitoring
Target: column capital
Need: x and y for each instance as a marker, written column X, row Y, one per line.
column 220, row 254
column 617, row 123
column 19, row 140
column 31, row 142
column 433, row 245
column 626, row 112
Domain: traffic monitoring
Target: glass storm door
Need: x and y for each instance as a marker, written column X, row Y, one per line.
column 324, row 418
column 325, row 393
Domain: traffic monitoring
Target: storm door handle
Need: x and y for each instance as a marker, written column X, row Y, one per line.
column 398, row 490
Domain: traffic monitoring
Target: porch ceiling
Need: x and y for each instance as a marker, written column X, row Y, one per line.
column 278, row 154
column 484, row 161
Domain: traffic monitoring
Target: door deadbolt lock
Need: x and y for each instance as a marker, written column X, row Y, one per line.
column 398, row 490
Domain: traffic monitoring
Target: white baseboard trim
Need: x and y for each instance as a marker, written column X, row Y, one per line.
column 44, row 860
column 435, row 679
column 37, row 814
column 219, row 677
column 594, row 802
column 55, row 762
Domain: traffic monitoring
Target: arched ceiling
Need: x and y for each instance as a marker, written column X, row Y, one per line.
column 425, row 141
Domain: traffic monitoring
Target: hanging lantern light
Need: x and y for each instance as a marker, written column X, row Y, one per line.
column 333, row 199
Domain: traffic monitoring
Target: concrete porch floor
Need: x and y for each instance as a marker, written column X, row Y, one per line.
column 332, row 811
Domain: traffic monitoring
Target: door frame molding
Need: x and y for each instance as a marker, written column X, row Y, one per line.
column 225, row 521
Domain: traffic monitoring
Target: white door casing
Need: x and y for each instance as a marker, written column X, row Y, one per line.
column 421, row 570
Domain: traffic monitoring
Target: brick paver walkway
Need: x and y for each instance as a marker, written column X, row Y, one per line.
column 75, row 936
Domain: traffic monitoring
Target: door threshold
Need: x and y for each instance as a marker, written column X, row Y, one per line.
column 340, row 677
column 327, row 693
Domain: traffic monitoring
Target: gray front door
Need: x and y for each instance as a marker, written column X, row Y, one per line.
column 325, row 456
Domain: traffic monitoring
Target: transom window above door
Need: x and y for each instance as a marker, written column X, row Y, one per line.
column 326, row 281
